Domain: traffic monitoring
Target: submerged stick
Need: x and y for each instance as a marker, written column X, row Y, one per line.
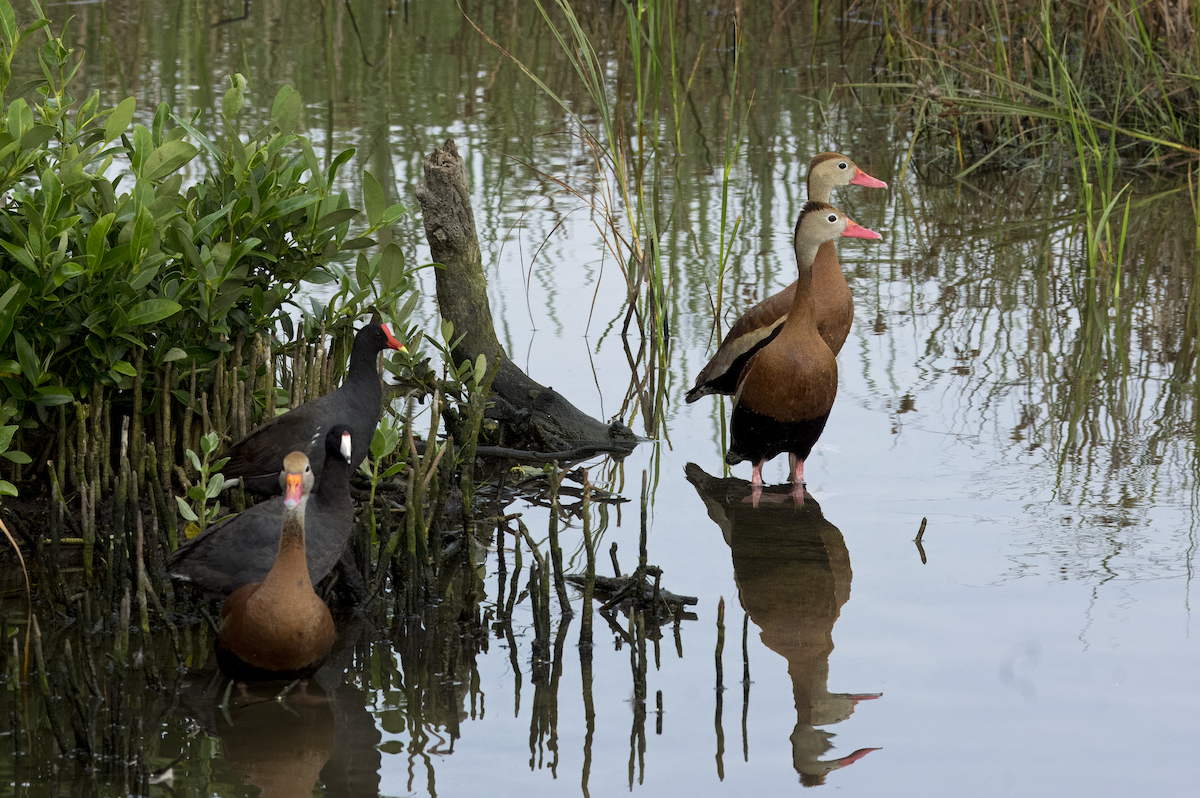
column 917, row 540
column 560, row 584
column 589, row 586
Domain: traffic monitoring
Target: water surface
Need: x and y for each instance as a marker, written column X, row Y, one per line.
column 1041, row 647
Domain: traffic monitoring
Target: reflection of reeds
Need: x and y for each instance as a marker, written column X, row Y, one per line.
column 1063, row 320
column 627, row 60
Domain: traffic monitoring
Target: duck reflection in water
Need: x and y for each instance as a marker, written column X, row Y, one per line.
column 793, row 575
column 283, row 736
column 278, row 745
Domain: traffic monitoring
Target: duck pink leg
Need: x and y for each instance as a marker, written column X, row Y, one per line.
column 756, row 484
column 797, row 475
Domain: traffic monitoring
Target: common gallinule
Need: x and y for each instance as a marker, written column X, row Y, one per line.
column 257, row 458
column 279, row 628
column 786, row 390
column 831, row 292
column 240, row 550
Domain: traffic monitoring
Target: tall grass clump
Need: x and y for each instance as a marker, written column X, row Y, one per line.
column 1003, row 82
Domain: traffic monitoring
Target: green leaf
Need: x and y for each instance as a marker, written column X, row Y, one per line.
column 204, row 140
column 126, row 368
column 235, row 97
column 393, row 213
column 214, row 487
column 384, row 441
column 152, row 310
column 7, row 488
column 96, row 239
column 292, row 204
column 52, row 396
column 17, row 457
column 362, row 272
column 338, row 160
column 373, row 199
column 285, row 112
column 31, row 369
column 334, row 218
column 8, row 22
column 168, row 158
column 391, row 267
column 36, row 136
column 185, row 510
column 8, row 316
column 119, row 119
column 194, row 459
column 173, row 354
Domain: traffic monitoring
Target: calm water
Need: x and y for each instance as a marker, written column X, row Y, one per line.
column 1044, row 647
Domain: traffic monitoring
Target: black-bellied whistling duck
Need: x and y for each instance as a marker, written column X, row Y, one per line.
column 786, row 390
column 831, row 292
column 279, row 628
column 257, row 458
column 239, row 550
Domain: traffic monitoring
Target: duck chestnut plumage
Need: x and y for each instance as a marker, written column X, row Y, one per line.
column 786, row 389
column 831, row 293
column 279, row 628
column 257, row 458
column 237, row 551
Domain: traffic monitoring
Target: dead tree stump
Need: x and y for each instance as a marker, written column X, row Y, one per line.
column 531, row 416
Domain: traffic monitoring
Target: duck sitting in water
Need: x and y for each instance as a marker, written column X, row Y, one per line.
column 257, row 458
column 786, row 389
column 831, row 293
column 239, row 550
column 279, row 628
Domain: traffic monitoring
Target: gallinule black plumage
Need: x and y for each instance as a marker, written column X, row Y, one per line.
column 241, row 550
column 279, row 628
column 258, row 458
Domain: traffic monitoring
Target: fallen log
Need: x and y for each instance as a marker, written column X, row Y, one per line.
column 530, row 415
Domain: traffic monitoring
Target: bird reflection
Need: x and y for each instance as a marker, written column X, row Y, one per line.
column 282, row 737
column 279, row 744
column 793, row 575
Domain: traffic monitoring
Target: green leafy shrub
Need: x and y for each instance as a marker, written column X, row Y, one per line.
column 107, row 259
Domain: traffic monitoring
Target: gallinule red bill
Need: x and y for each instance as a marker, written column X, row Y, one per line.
column 257, row 458
column 279, row 628
column 831, row 292
column 241, row 550
column 786, row 390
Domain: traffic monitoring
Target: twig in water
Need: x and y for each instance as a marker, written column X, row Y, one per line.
column 917, row 540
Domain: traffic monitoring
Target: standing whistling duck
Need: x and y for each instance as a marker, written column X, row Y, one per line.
column 786, row 390
column 257, row 458
column 831, row 292
column 279, row 628
column 239, row 550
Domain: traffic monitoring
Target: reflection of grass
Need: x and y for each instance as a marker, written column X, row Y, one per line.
column 638, row 90
column 1073, row 348
column 1111, row 317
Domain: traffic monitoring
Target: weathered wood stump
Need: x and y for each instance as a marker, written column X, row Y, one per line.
column 531, row 416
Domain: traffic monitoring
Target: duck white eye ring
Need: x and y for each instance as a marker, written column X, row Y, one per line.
column 831, row 218
column 843, row 165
